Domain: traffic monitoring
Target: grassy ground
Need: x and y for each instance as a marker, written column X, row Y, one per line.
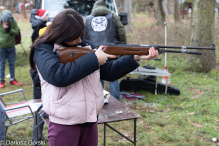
column 188, row 119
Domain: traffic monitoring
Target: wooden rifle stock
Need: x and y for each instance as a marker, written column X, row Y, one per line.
column 70, row 54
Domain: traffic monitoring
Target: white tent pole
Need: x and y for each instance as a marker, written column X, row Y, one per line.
column 165, row 24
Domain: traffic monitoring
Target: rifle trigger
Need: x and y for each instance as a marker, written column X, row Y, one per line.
column 71, row 55
column 183, row 50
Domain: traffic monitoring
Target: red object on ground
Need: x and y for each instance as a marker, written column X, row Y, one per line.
column 165, row 79
column 14, row 82
column 133, row 96
column 2, row 85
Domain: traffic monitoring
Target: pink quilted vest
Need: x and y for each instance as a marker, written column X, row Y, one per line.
column 75, row 104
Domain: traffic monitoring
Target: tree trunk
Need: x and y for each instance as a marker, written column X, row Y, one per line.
column 12, row 3
column 165, row 3
column 10, row 6
column 170, row 8
column 119, row 5
column 177, row 17
column 128, row 9
column 161, row 16
column 24, row 9
column 203, row 35
column 2, row 2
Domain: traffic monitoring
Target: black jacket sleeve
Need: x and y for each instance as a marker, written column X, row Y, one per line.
column 35, row 76
column 35, row 34
column 58, row 74
column 113, row 70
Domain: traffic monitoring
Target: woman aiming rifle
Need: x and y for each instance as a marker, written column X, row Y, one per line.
column 72, row 94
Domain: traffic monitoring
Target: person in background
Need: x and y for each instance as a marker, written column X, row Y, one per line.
column 8, row 29
column 27, row 5
column 7, row 4
column 36, row 95
column 21, row 6
column 18, row 8
column 42, row 17
column 102, row 26
column 31, row 4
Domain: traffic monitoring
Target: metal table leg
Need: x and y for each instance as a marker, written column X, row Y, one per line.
column 132, row 141
column 135, row 132
column 156, row 86
column 36, row 127
column 166, row 88
column 104, row 85
column 104, row 135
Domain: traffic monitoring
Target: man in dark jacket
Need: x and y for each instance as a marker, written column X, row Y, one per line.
column 8, row 29
column 42, row 17
column 103, row 27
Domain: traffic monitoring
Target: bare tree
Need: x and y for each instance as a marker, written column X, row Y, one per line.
column 128, row 9
column 161, row 16
column 12, row 3
column 2, row 2
column 118, row 3
column 177, row 17
column 203, row 34
column 24, row 9
column 165, row 7
column 170, row 6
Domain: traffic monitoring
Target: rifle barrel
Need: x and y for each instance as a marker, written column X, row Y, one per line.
column 160, row 51
column 172, row 51
column 188, row 47
column 158, row 46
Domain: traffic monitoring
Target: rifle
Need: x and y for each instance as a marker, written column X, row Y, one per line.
column 70, row 54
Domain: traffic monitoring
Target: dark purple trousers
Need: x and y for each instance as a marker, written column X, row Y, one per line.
column 72, row 135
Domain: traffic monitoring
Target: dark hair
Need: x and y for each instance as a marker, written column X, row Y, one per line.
column 67, row 26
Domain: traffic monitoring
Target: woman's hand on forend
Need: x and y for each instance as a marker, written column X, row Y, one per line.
column 101, row 56
column 152, row 54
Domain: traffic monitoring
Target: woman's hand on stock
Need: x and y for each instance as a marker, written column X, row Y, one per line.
column 152, row 54
column 101, row 56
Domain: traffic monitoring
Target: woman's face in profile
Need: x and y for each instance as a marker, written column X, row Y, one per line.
column 75, row 42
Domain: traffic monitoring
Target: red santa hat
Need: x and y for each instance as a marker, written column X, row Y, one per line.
column 41, row 13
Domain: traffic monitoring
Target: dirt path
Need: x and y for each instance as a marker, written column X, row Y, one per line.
column 20, row 17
